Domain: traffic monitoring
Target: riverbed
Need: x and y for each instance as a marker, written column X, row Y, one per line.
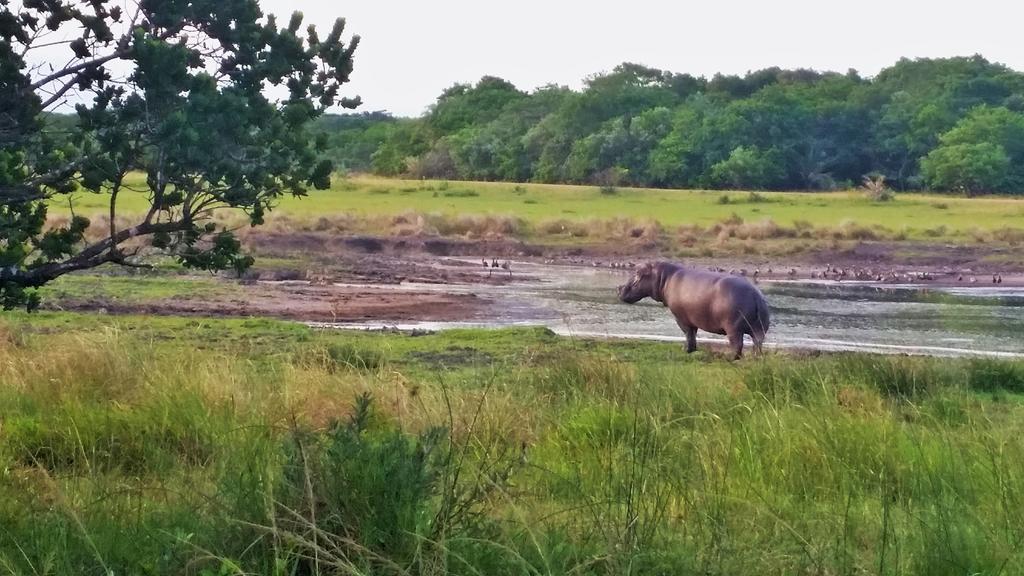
column 816, row 315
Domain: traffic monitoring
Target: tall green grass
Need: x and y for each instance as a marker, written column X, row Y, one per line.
column 345, row 454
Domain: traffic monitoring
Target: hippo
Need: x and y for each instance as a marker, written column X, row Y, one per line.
column 711, row 301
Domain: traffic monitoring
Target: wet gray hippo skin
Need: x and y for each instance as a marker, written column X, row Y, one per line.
column 716, row 303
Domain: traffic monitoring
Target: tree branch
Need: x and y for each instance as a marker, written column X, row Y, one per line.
column 20, row 194
column 80, row 67
column 98, row 61
column 59, row 93
column 90, row 257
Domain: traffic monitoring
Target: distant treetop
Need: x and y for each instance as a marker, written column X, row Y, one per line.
column 918, row 123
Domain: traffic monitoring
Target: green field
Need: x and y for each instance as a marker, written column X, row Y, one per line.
column 915, row 215
column 147, row 445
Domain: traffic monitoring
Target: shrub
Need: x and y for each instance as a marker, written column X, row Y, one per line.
column 896, row 377
column 369, row 487
column 762, row 230
column 785, row 383
column 475, row 225
column 875, row 188
column 990, row 375
column 460, row 193
column 335, row 356
column 1009, row 235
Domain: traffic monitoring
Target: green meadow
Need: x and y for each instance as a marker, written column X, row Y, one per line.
column 149, row 445
column 371, row 202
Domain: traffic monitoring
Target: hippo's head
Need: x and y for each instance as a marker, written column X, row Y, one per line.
column 640, row 286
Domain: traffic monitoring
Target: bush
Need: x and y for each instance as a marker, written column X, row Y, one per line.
column 460, row 193
column 897, row 377
column 143, row 441
column 876, row 190
column 990, row 375
column 335, row 356
column 365, row 487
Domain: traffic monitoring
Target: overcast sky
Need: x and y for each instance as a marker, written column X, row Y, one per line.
column 412, row 49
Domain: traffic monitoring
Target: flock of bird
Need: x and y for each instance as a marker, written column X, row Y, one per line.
column 829, row 273
column 494, row 265
column 857, row 274
column 596, row 263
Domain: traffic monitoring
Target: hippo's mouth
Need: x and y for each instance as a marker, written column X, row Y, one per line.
column 626, row 295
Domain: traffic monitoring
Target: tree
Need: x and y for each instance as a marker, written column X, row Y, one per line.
column 969, row 168
column 747, row 168
column 173, row 89
column 678, row 158
column 463, row 105
column 353, row 138
column 822, row 130
column 408, row 139
column 984, row 152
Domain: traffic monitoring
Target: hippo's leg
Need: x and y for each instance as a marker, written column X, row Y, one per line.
column 691, row 336
column 691, row 339
column 758, row 339
column 736, row 343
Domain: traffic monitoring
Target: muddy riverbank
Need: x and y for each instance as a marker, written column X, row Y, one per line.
column 942, row 301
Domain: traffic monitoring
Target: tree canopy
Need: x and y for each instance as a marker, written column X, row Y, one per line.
column 944, row 124
column 174, row 89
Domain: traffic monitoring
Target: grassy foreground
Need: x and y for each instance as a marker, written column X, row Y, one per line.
column 369, row 204
column 215, row 447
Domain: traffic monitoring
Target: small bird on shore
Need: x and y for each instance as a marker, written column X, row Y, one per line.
column 792, row 272
column 974, row 280
column 506, row 265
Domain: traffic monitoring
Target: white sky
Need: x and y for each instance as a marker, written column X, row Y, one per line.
column 412, row 49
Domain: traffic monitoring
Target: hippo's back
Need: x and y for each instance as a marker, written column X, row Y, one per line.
column 738, row 302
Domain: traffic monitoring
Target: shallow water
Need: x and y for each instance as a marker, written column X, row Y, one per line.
column 823, row 315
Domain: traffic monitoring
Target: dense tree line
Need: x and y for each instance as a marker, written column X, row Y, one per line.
column 952, row 124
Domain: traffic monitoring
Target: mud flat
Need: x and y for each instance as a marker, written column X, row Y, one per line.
column 298, row 300
column 935, row 300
